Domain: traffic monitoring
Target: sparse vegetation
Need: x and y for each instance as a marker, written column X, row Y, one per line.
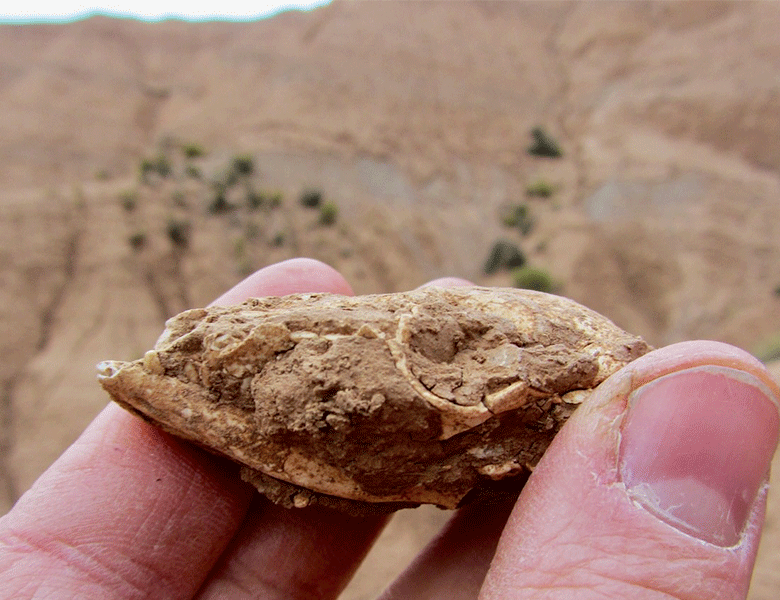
column 532, row 278
column 243, row 165
column 311, row 198
column 192, row 150
column 219, row 202
column 159, row 165
column 503, row 255
column 193, row 172
column 254, row 199
column 544, row 145
column 129, row 200
column 328, row 213
column 179, row 233
column 137, row 240
column 278, row 240
column 540, row 188
column 275, row 199
column 519, row 216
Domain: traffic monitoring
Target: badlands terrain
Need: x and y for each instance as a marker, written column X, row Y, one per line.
column 145, row 168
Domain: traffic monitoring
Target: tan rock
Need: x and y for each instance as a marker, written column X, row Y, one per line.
column 432, row 396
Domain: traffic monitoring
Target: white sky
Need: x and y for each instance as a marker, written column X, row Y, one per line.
column 48, row 10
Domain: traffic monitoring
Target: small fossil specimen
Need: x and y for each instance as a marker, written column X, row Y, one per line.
column 376, row 402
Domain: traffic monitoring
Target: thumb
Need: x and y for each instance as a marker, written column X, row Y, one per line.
column 655, row 488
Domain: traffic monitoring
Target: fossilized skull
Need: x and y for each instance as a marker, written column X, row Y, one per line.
column 376, row 402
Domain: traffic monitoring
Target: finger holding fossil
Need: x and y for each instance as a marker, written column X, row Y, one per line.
column 376, row 402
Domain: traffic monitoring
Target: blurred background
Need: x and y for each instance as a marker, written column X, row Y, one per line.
column 626, row 155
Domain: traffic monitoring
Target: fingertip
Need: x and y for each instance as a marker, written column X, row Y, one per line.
column 293, row 276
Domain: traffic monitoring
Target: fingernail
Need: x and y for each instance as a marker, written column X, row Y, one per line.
column 696, row 447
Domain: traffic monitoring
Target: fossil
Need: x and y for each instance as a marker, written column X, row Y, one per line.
column 373, row 403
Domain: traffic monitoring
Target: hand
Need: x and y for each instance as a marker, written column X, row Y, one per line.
column 664, row 499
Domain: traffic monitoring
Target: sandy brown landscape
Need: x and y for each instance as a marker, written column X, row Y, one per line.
column 123, row 201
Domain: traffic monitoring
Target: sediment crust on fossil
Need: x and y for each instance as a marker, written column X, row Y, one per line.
column 376, row 402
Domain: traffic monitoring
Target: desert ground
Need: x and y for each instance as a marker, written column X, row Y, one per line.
column 122, row 198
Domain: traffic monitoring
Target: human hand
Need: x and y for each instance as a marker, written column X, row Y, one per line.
column 130, row 512
column 655, row 488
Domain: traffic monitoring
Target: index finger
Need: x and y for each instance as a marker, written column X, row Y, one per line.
column 129, row 511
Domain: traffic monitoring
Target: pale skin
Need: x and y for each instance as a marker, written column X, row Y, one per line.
column 130, row 512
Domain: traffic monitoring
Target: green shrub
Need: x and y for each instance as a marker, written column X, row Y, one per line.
column 532, row 278
column 544, row 144
column 159, row 165
column 328, row 213
column 137, row 240
column 129, row 200
column 519, row 216
column 146, row 168
column 255, row 199
column 503, row 255
column 219, row 203
column 179, row 233
column 540, row 188
column 243, row 165
column 192, row 150
column 311, row 198
column 193, row 172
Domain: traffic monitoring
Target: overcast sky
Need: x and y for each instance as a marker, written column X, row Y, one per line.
column 47, row 10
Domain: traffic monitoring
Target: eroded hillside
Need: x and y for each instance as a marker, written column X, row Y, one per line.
column 414, row 120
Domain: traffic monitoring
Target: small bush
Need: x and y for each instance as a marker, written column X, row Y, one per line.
column 243, row 165
column 129, row 200
column 503, row 255
column 540, row 188
column 137, row 240
column 278, row 240
column 193, row 150
column 255, row 199
column 159, row 165
column 219, row 203
column 179, row 233
column 328, row 213
column 193, row 172
column 311, row 198
column 544, row 145
column 532, row 278
column 519, row 216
